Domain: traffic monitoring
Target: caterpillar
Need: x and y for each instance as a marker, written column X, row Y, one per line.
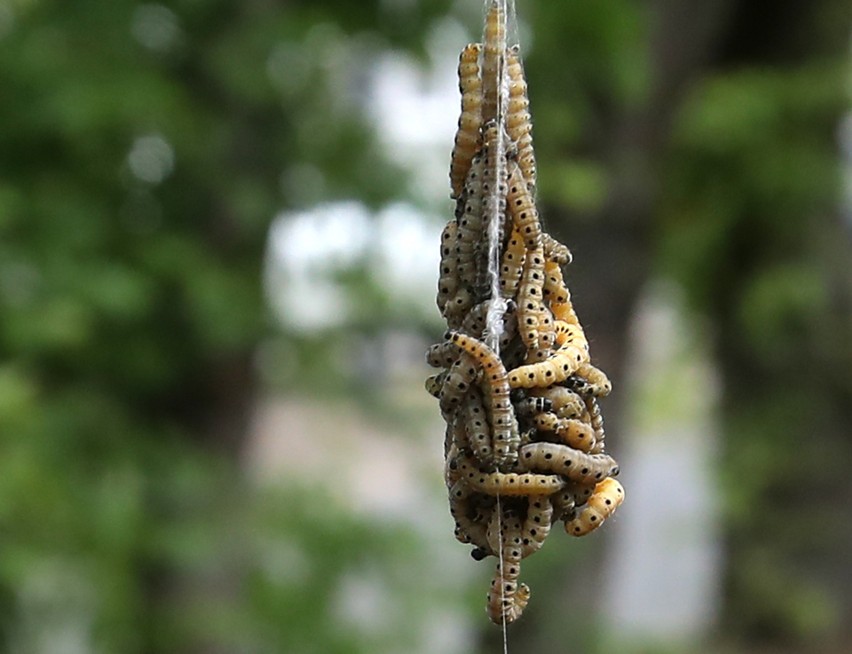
column 512, row 265
column 459, row 379
column 556, row 251
column 564, row 402
column 502, row 416
column 589, row 380
column 536, row 526
column 470, row 225
column 493, row 60
column 606, row 498
column 494, row 173
column 456, row 308
column 554, row 370
column 448, row 279
column 520, row 121
column 575, row 465
column 434, row 383
column 470, row 120
column 521, row 206
column 573, row 432
column 507, row 483
column 441, row 355
column 506, row 598
column 468, row 528
column 529, row 297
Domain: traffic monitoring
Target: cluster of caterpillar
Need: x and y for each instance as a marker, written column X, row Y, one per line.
column 524, row 444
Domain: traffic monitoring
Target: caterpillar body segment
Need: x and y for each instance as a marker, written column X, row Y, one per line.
column 448, row 282
column 536, row 525
column 493, row 60
column 470, row 121
column 554, row 284
column 460, row 376
column 512, row 265
column 606, row 498
column 573, row 464
column 556, row 251
column 441, row 355
column 522, row 208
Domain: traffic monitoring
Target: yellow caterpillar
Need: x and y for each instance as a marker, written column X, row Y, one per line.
column 502, row 415
column 522, row 208
column 554, row 370
column 573, row 432
column 573, row 464
column 592, row 381
column 607, row 497
column 470, row 121
column 507, row 483
column 565, row 402
column 512, row 265
column 554, row 284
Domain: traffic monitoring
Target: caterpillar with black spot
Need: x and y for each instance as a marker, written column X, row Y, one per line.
column 470, row 120
column 589, row 380
column 459, row 379
column 571, row 431
column 519, row 121
column 573, row 464
column 507, row 483
column 470, row 224
column 441, row 355
column 606, row 498
column 564, row 402
column 556, row 251
column 468, row 528
column 503, row 421
column 522, row 208
column 478, row 429
column 554, row 370
column 493, row 60
column 554, row 284
column 448, row 281
column 434, row 383
column 507, row 599
column 529, row 297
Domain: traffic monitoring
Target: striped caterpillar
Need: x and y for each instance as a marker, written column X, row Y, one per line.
column 502, row 416
column 470, row 121
column 573, row 464
column 606, row 498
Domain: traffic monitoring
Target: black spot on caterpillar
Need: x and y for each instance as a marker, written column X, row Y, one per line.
column 470, row 121
column 573, row 464
column 606, row 498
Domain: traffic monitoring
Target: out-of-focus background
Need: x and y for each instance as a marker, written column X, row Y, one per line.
column 219, row 228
